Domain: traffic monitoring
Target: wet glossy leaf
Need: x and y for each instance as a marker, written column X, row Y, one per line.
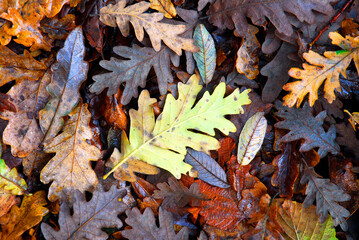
column 164, row 6
column 206, row 56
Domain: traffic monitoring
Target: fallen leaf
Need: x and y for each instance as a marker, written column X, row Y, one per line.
column 121, row 16
column 347, row 138
column 87, row 218
column 58, row 28
column 235, row 80
column 322, row 69
column 251, row 138
column 144, row 191
column 69, row 72
column 6, row 104
column 206, row 56
column 156, row 143
column 6, row 202
column 53, row 7
column 327, row 195
column 303, row 125
column 10, row 181
column 113, row 112
column 225, row 151
column 134, row 71
column 70, row 168
column 203, row 3
column 164, row 6
column 247, row 55
column 19, row 67
column 349, row 27
column 208, row 169
column 144, row 226
column 175, row 194
column 19, row 220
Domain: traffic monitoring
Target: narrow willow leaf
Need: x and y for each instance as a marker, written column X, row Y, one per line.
column 251, row 138
column 206, row 57
column 209, row 170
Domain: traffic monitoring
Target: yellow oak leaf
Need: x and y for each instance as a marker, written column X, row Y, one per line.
column 70, row 168
column 164, row 6
column 322, row 68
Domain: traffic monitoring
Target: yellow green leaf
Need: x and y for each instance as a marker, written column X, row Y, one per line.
column 321, row 68
column 10, row 181
column 163, row 143
column 164, row 6
column 354, row 118
column 251, row 138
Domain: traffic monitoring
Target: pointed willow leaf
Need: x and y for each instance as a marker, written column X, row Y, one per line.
column 69, row 72
column 303, row 125
column 251, row 138
column 208, row 169
column 88, row 218
column 10, row 181
column 70, row 168
column 163, row 143
column 134, row 71
column 121, row 16
column 327, row 195
column 144, row 226
column 298, row 223
column 206, row 57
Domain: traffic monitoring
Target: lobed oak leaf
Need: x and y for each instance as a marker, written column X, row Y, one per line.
column 347, row 138
column 163, row 143
column 53, row 7
column 70, row 168
column 164, row 6
column 112, row 111
column 144, row 226
column 232, row 14
column 89, row 217
column 322, row 68
column 69, row 72
column 23, row 132
column 251, row 138
column 19, row 67
column 6, row 202
column 327, row 195
column 134, row 71
column 303, row 125
column 208, row 169
column 203, row 3
column 10, row 181
column 6, row 104
column 58, row 28
column 234, row 80
column 121, row 16
column 206, row 56
column 19, row 220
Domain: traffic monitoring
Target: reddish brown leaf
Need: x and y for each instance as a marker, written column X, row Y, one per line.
column 144, row 191
column 58, row 28
column 113, row 112
column 225, row 151
column 6, row 104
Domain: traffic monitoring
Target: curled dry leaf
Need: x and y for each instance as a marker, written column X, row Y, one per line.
column 134, row 71
column 208, row 169
column 251, row 138
column 206, row 56
column 88, row 217
column 113, row 112
column 121, row 16
column 327, row 195
column 247, row 55
column 157, row 142
column 19, row 220
column 164, row 6
column 69, row 72
column 10, row 181
column 303, row 125
column 327, row 68
column 70, row 168
column 144, row 226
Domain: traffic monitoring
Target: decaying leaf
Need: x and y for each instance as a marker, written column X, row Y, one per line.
column 347, row 138
column 164, row 6
column 121, row 16
column 327, row 195
column 88, row 217
column 163, row 143
column 303, row 125
column 323, row 68
column 144, row 226
column 70, row 168
column 19, row 67
column 54, row 7
column 134, row 71
column 6, row 202
column 19, row 220
column 58, row 28
column 10, row 181
column 234, row 80
column 208, row 169
column 302, row 223
column 69, row 72
column 251, row 138
column 354, row 118
column 203, row 3
column 6, row 104
column 23, row 132
column 206, row 56
column 175, row 194
column 247, row 55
